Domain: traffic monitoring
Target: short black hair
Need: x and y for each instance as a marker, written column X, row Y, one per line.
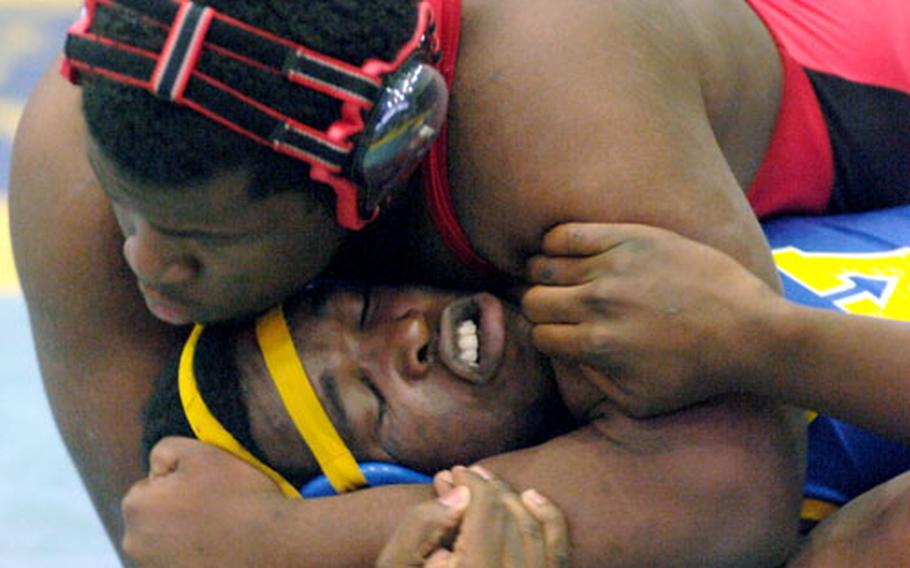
column 218, row 381
column 163, row 145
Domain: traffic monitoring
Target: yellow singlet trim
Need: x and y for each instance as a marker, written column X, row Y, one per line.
column 207, row 427
column 816, row 510
column 302, row 404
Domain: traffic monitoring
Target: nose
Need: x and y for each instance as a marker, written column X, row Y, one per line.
column 155, row 259
column 405, row 344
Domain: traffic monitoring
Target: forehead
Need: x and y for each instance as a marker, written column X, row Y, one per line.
column 222, row 195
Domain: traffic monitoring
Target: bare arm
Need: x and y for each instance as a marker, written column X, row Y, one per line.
column 97, row 347
column 851, row 367
column 714, row 485
column 602, row 112
column 607, row 112
column 669, row 322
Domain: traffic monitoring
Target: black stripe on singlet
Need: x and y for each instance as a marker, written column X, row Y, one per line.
column 869, row 128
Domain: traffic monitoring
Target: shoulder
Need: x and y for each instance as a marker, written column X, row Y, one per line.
column 628, row 53
column 62, row 227
column 605, row 111
column 65, row 239
column 571, row 32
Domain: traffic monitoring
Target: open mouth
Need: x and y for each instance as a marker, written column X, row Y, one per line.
column 472, row 337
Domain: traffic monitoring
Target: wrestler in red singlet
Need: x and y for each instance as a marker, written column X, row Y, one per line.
column 836, row 146
column 856, row 57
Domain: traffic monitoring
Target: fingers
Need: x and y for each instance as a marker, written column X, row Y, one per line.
column 500, row 528
column 424, row 530
column 526, row 530
column 560, row 270
column 555, row 529
column 442, row 558
column 591, row 342
column 163, row 458
column 443, row 482
column 559, row 305
column 482, row 539
column 574, row 253
column 586, row 239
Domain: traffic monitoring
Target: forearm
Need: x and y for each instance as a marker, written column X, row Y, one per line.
column 347, row 531
column 851, row 367
column 717, row 485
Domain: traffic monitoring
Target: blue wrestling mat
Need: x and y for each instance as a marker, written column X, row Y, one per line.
column 858, row 264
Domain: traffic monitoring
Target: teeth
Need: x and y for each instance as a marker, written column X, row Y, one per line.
column 468, row 342
column 468, row 356
column 467, row 327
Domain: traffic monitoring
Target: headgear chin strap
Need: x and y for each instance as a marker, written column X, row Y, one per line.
column 302, row 404
column 341, row 472
column 204, row 424
column 363, row 161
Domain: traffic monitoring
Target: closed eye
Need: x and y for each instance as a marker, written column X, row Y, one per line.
column 380, row 403
column 365, row 309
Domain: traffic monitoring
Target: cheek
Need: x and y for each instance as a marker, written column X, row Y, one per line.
column 234, row 284
column 249, row 268
column 445, row 438
column 293, row 257
column 417, row 438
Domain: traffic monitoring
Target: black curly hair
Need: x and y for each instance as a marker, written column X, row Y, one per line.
column 218, row 380
column 158, row 143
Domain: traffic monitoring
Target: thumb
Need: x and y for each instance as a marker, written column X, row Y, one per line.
column 588, row 239
column 163, row 459
column 442, row 558
column 424, row 530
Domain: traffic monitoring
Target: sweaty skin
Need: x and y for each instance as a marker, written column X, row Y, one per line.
column 382, row 364
column 669, row 111
column 495, row 527
column 678, row 322
column 381, row 361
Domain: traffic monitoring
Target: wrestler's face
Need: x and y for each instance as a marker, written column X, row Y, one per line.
column 387, row 366
column 210, row 252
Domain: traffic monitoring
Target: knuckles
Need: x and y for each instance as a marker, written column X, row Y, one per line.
column 597, row 341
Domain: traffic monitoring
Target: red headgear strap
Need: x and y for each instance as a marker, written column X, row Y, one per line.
column 172, row 74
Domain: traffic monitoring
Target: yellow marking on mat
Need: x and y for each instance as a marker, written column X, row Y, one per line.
column 10, row 112
column 42, row 6
column 816, row 510
column 9, row 283
column 19, row 41
column 826, row 274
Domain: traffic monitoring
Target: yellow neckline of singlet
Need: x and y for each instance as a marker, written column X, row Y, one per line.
column 297, row 395
column 206, row 426
column 302, row 404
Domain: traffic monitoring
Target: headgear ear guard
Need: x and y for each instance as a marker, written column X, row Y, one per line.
column 362, row 161
column 341, row 472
